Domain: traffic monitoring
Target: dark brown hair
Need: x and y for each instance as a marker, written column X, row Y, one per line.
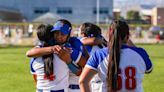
column 118, row 31
column 44, row 35
column 88, row 28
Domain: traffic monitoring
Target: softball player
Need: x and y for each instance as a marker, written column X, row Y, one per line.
column 61, row 31
column 90, row 36
column 120, row 67
column 49, row 76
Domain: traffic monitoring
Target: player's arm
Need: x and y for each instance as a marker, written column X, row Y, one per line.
column 147, row 62
column 35, row 78
column 32, row 70
column 78, row 45
column 88, row 72
column 38, row 51
column 85, row 52
column 92, row 40
column 70, row 58
column 82, row 61
column 75, row 67
column 85, row 78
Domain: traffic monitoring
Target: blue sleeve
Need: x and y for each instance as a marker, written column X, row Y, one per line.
column 93, row 61
column 31, row 67
column 89, row 48
column 146, row 59
column 76, row 55
column 76, row 43
column 96, row 58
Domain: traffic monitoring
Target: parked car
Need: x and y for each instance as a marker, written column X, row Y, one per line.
column 155, row 31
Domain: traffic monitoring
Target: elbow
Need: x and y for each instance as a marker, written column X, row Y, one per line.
column 28, row 54
column 81, row 82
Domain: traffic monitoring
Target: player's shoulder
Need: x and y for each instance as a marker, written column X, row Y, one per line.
column 141, row 51
column 36, row 60
column 101, row 53
column 74, row 39
column 138, row 50
column 75, row 42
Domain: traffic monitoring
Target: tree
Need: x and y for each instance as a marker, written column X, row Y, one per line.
column 134, row 15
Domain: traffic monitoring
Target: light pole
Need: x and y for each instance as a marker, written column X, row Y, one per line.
column 98, row 12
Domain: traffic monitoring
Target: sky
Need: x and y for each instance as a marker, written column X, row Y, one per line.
column 123, row 3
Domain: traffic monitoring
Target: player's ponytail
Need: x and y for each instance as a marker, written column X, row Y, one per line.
column 117, row 32
column 44, row 35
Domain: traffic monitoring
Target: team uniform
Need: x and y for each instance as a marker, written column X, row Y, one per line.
column 76, row 46
column 59, row 82
column 134, row 62
column 73, row 79
column 96, row 81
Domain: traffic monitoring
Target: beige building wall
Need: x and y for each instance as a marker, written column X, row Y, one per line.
column 154, row 18
column 158, row 16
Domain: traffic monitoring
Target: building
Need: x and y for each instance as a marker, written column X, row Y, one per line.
column 126, row 5
column 146, row 12
column 77, row 11
column 158, row 16
column 116, row 13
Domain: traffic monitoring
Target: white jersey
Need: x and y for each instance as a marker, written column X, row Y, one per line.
column 96, row 81
column 134, row 62
column 61, row 75
column 77, row 52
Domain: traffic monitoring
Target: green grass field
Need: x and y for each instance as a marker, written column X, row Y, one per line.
column 15, row 75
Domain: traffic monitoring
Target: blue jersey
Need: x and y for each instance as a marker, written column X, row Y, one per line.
column 73, row 42
column 73, row 79
column 134, row 62
column 76, row 43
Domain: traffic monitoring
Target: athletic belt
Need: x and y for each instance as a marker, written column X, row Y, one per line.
column 41, row 90
column 71, row 86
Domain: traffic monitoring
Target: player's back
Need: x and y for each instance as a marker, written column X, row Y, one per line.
column 61, row 75
column 134, row 62
column 133, row 66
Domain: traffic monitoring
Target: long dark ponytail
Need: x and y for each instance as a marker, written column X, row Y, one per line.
column 44, row 35
column 118, row 31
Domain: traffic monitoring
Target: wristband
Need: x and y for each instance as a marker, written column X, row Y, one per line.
column 73, row 67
